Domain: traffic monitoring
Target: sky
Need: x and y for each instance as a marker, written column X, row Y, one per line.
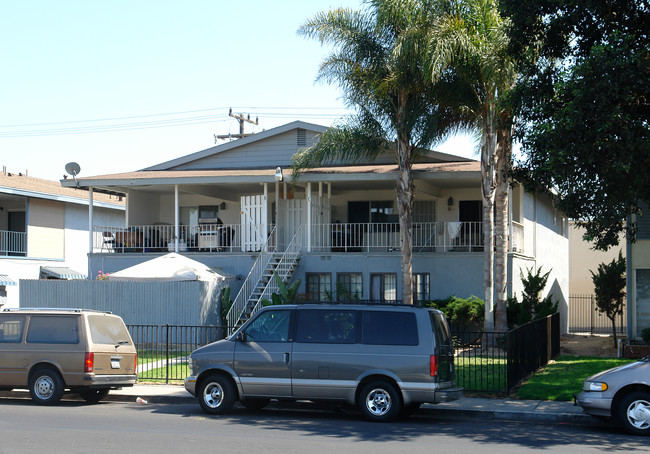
column 122, row 85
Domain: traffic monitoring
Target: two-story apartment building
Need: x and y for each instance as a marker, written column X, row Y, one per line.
column 235, row 207
column 44, row 230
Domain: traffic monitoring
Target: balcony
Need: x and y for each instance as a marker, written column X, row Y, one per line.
column 13, row 243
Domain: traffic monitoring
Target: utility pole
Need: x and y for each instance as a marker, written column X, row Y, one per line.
column 241, row 119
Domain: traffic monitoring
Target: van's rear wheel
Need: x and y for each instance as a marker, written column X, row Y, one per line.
column 216, row 394
column 380, row 401
column 46, row 386
column 92, row 396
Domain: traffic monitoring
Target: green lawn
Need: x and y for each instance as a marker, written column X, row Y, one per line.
column 151, row 356
column 563, row 378
column 481, row 374
column 177, row 373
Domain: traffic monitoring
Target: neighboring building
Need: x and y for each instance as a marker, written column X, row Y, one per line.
column 233, row 206
column 638, row 278
column 583, row 259
column 44, row 230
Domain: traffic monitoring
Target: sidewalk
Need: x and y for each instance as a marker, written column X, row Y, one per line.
column 466, row 408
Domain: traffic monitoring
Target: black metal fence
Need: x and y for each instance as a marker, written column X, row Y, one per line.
column 163, row 350
column 488, row 362
column 584, row 317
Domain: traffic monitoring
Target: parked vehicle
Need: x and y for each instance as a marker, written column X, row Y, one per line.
column 622, row 393
column 50, row 351
column 385, row 359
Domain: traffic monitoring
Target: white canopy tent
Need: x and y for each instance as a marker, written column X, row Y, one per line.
column 169, row 267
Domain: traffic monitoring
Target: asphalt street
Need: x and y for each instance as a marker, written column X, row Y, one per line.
column 120, row 426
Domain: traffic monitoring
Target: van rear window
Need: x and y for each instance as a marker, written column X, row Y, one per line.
column 389, row 328
column 108, row 330
column 327, row 327
column 11, row 329
column 440, row 328
column 53, row 330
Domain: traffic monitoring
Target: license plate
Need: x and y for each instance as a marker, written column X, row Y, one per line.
column 115, row 363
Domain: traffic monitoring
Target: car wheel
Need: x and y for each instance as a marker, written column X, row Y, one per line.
column 379, row 401
column 92, row 396
column 216, row 394
column 254, row 404
column 46, row 386
column 633, row 413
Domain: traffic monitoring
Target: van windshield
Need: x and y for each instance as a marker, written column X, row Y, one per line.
column 108, row 330
column 440, row 328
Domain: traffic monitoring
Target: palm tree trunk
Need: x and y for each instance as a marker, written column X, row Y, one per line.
column 404, row 199
column 488, row 148
column 504, row 152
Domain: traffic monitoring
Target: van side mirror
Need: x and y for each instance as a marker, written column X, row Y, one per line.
column 241, row 337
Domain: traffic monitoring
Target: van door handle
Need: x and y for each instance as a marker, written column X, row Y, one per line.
column 286, row 358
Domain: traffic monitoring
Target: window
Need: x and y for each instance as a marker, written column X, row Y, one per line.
column 349, row 286
column 319, row 286
column 53, row 330
column 383, row 287
column 421, row 287
column 108, row 330
column 271, row 326
column 381, row 211
column 329, row 327
column 11, row 329
column 389, row 328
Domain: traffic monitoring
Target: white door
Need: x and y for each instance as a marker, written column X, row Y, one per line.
column 254, row 222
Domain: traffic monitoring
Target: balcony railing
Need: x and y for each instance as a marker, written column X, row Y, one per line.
column 13, row 243
column 334, row 237
column 379, row 237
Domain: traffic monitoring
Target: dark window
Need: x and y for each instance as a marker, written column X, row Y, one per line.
column 349, row 286
column 319, row 286
column 329, row 327
column 389, row 328
column 421, row 286
column 53, row 330
column 270, row 326
column 11, row 329
column 440, row 328
column 383, row 287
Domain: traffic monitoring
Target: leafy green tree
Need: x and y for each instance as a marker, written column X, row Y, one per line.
column 225, row 303
column 583, row 107
column 609, row 286
column 378, row 61
column 286, row 294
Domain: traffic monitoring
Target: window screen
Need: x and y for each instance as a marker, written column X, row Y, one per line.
column 389, row 328
column 53, row 330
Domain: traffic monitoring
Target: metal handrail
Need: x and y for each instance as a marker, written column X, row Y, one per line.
column 250, row 283
column 13, row 243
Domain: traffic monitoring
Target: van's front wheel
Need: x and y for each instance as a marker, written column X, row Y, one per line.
column 216, row 394
column 380, row 401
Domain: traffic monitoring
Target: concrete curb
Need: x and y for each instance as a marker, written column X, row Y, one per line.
column 176, row 396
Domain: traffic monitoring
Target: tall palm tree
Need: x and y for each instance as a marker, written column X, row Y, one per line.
column 472, row 39
column 377, row 60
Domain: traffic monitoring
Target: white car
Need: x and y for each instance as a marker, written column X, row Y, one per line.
column 622, row 393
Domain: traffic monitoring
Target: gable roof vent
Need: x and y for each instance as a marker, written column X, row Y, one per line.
column 302, row 137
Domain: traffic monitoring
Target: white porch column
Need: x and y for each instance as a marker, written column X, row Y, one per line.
column 176, row 221
column 329, row 189
column 320, row 189
column 309, row 217
column 90, row 219
column 265, row 206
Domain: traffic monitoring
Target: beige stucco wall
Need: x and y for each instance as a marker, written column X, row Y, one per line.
column 583, row 259
column 45, row 229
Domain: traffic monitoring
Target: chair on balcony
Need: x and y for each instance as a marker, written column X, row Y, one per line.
column 108, row 242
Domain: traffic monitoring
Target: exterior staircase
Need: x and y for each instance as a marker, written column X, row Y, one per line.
column 260, row 283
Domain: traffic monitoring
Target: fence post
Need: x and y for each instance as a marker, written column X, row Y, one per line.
column 592, row 313
column 167, row 355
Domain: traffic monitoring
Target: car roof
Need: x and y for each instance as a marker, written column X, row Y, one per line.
column 51, row 310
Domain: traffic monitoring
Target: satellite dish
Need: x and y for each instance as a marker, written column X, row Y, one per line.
column 72, row 168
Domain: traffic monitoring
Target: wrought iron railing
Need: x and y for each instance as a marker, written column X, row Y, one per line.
column 13, row 243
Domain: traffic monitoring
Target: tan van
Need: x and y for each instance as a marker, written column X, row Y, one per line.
column 50, row 351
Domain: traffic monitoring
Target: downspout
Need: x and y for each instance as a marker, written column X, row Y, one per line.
column 176, row 220
column 309, row 217
column 90, row 221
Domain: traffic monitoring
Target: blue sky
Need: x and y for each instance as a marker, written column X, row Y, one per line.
column 117, row 86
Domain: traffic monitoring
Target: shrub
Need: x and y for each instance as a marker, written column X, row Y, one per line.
column 462, row 312
column 645, row 334
column 531, row 307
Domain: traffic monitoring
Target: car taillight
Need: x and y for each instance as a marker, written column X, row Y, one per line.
column 89, row 362
column 434, row 366
column 135, row 363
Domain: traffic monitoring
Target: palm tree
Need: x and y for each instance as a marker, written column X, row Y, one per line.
column 378, row 62
column 472, row 39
